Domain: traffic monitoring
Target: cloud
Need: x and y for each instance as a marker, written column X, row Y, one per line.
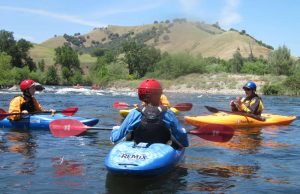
column 64, row 17
column 129, row 8
column 229, row 14
column 192, row 8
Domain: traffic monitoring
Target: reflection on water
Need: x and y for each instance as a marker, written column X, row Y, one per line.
column 247, row 139
column 64, row 167
column 168, row 183
column 20, row 141
column 206, row 178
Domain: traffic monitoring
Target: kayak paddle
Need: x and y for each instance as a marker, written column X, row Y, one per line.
column 214, row 132
column 68, row 112
column 215, row 110
column 71, row 127
column 180, row 106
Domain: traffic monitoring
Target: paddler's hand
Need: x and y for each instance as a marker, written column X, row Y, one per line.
column 25, row 112
column 52, row 112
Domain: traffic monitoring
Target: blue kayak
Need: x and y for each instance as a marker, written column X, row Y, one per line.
column 126, row 158
column 42, row 121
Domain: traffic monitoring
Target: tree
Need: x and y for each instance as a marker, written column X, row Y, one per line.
column 5, row 66
column 18, row 50
column 51, row 76
column 280, row 62
column 41, row 65
column 236, row 62
column 140, row 58
column 68, row 58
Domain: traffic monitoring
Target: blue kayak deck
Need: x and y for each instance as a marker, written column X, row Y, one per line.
column 126, row 158
column 42, row 121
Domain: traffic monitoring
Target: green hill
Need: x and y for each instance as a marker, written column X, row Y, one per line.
column 173, row 37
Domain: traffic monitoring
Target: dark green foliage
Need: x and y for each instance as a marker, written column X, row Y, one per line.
column 99, row 71
column 140, row 58
column 68, row 59
column 173, row 66
column 255, row 68
column 236, row 62
column 51, row 76
column 292, row 83
column 280, row 62
column 5, row 74
column 264, row 44
column 98, row 52
column 41, row 65
column 18, row 50
column 272, row 89
column 76, row 40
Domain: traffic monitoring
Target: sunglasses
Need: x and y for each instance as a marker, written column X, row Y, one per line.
column 247, row 89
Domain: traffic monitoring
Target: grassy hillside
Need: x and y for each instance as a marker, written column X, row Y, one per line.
column 39, row 52
column 173, row 37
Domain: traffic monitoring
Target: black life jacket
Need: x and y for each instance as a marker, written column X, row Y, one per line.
column 27, row 105
column 151, row 129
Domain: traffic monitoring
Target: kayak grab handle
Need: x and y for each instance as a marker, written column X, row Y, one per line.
column 128, row 164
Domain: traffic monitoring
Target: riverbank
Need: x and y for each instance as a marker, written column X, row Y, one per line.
column 222, row 83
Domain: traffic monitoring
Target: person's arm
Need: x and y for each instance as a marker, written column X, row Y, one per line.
column 178, row 133
column 37, row 105
column 253, row 108
column 130, row 122
column 15, row 107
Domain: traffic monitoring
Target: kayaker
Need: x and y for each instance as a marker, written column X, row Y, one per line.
column 25, row 103
column 164, row 100
column 151, row 122
column 252, row 103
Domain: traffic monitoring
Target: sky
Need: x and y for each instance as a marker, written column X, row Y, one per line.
column 275, row 22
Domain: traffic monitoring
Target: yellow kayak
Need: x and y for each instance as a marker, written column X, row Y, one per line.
column 236, row 121
column 125, row 112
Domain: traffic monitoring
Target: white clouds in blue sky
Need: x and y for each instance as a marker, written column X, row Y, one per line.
column 58, row 16
column 230, row 14
column 37, row 20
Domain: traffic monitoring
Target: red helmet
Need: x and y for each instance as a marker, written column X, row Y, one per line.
column 147, row 88
column 26, row 84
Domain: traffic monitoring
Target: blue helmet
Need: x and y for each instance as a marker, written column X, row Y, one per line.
column 250, row 85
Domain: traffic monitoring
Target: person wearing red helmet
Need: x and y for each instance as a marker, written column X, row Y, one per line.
column 252, row 103
column 151, row 122
column 25, row 103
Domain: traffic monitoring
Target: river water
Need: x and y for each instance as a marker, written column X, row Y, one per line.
column 257, row 160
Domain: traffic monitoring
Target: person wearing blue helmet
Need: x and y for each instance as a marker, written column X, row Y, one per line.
column 252, row 103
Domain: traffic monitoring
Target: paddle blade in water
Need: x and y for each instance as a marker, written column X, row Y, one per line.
column 3, row 114
column 70, row 111
column 120, row 105
column 214, row 132
column 183, row 106
column 211, row 109
column 66, row 127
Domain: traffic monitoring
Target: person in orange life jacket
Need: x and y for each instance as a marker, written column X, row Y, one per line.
column 151, row 122
column 252, row 103
column 164, row 101
column 27, row 102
